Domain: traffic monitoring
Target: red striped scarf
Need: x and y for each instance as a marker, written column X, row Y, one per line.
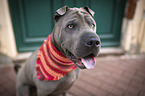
column 51, row 63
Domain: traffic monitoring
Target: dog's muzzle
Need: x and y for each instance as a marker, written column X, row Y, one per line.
column 87, row 48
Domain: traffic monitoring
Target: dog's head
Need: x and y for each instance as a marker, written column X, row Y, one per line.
column 75, row 35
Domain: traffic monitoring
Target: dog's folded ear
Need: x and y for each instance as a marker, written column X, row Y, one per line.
column 91, row 12
column 60, row 12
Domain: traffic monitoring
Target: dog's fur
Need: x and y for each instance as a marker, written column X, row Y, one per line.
column 73, row 43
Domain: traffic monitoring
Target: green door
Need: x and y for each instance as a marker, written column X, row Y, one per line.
column 33, row 20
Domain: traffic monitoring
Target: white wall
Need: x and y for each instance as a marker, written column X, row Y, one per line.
column 133, row 31
column 7, row 39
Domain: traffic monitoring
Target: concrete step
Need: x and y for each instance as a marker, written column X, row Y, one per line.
column 111, row 51
column 5, row 59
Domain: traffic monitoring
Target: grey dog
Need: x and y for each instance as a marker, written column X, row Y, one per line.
column 74, row 35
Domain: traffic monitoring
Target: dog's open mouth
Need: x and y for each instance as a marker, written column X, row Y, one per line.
column 82, row 62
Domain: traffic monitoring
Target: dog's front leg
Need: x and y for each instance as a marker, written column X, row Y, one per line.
column 22, row 87
column 44, row 91
column 22, row 90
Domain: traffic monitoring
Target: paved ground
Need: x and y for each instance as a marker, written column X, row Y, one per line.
column 112, row 76
column 7, row 80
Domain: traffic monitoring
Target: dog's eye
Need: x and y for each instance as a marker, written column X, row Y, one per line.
column 92, row 26
column 70, row 26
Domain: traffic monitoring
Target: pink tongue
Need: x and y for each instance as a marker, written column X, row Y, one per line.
column 89, row 62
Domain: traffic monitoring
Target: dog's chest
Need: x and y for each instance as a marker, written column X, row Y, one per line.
column 71, row 77
column 67, row 81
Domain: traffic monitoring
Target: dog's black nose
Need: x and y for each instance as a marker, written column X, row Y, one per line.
column 92, row 42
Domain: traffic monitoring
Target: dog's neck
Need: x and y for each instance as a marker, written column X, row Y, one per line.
column 55, row 44
column 51, row 63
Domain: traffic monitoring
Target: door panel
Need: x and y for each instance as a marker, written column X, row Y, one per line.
column 33, row 20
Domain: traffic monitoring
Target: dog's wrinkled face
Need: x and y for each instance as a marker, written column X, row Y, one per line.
column 77, row 36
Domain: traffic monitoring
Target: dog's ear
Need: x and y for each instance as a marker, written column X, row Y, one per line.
column 60, row 12
column 91, row 12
